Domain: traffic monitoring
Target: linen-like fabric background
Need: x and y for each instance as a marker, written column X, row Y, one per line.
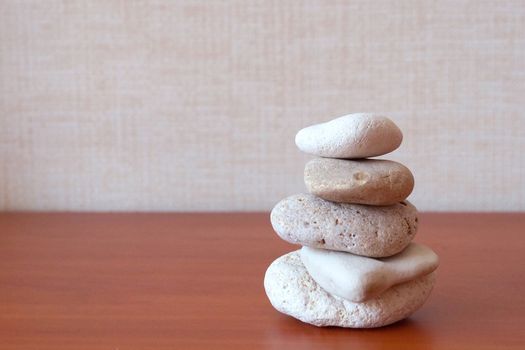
column 194, row 105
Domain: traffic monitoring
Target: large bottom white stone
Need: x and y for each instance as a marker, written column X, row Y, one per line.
column 293, row 291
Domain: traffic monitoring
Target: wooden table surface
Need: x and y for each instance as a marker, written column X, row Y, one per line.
column 191, row 281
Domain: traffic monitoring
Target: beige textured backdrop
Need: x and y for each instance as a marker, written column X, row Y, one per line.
column 193, row 105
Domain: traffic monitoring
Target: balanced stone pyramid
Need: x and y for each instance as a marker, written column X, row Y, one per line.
column 358, row 266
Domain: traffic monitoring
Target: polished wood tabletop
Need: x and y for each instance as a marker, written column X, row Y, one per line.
column 195, row 281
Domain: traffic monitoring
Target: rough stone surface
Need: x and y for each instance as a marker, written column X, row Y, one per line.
column 374, row 231
column 358, row 278
column 358, row 135
column 366, row 181
column 292, row 291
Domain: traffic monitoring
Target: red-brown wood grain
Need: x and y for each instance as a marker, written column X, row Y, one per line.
column 195, row 281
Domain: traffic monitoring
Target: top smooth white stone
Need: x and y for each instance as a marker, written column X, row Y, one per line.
column 358, row 135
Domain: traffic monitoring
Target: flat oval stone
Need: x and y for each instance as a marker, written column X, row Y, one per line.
column 358, row 135
column 358, row 278
column 374, row 231
column 294, row 292
column 365, row 181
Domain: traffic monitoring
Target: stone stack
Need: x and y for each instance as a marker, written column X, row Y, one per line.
column 358, row 266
